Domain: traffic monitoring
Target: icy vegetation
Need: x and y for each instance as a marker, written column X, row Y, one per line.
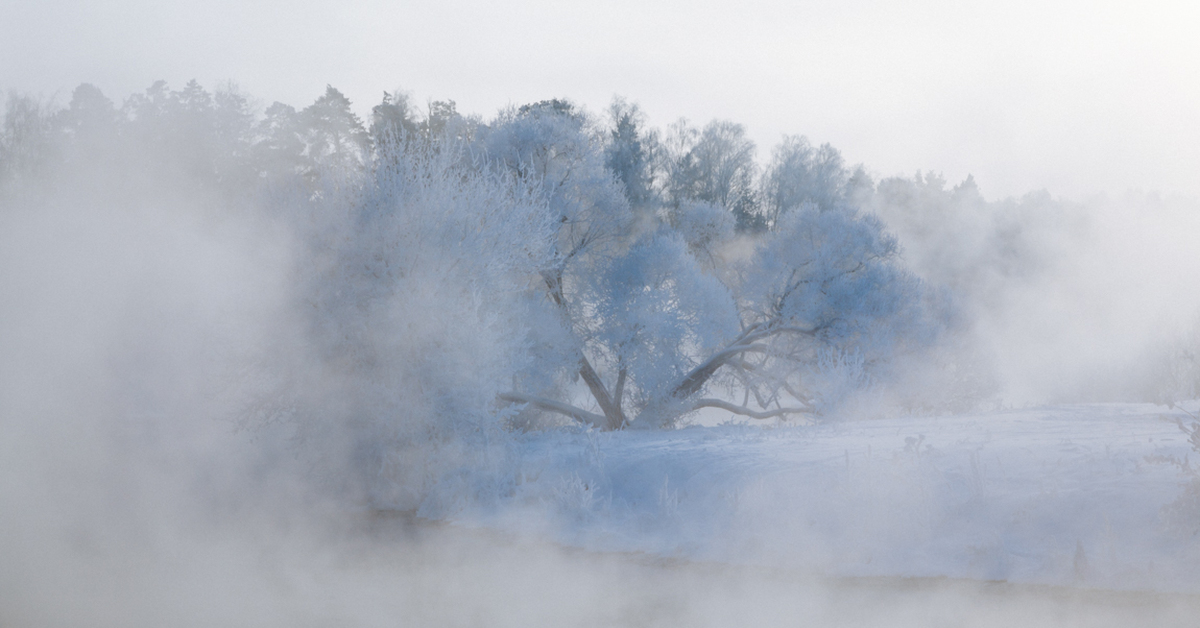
column 227, row 329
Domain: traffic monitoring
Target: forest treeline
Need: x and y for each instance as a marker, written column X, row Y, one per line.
column 552, row 266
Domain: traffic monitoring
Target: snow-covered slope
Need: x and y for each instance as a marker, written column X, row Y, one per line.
column 1082, row 495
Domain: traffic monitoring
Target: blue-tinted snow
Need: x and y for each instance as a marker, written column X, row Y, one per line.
column 1081, row 495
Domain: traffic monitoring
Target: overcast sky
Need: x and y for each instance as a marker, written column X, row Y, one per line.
column 1071, row 96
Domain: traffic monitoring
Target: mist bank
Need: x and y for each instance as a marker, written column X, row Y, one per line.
column 1066, row 301
column 380, row 573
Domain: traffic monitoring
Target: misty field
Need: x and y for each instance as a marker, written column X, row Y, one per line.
column 1049, row 517
column 264, row 365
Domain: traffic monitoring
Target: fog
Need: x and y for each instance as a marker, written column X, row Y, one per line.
column 184, row 441
column 1071, row 300
column 1120, row 295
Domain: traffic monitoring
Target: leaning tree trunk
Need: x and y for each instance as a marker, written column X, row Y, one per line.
column 613, row 415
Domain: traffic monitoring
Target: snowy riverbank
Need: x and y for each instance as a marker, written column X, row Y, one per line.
column 1077, row 495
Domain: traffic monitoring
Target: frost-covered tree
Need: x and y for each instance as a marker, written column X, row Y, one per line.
column 706, row 228
column 27, row 143
column 655, row 323
column 715, row 165
column 279, row 149
column 549, row 145
column 443, row 121
column 828, row 286
column 655, row 309
column 396, row 119
column 333, row 135
column 394, row 116
column 800, row 174
column 90, row 119
column 631, row 155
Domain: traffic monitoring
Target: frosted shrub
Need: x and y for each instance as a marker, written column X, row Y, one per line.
column 836, row 376
column 574, row 496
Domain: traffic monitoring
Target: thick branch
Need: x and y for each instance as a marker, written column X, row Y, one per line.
column 619, row 391
column 613, row 417
column 550, row 405
column 744, row 411
column 745, row 343
column 553, row 279
column 612, row 414
column 696, row 378
column 773, row 331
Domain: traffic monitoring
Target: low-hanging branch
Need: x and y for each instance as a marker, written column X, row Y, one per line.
column 613, row 417
column 550, row 405
column 744, row 411
column 747, row 342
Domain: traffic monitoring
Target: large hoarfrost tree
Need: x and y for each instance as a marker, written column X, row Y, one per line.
column 654, row 328
column 550, row 145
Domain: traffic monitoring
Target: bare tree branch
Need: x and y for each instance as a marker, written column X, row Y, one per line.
column 744, row 411
column 696, row 378
column 619, row 393
column 614, row 418
column 550, row 405
column 772, row 331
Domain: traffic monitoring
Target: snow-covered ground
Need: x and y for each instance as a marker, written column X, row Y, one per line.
column 1081, row 495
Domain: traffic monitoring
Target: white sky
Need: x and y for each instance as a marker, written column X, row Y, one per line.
column 1072, row 96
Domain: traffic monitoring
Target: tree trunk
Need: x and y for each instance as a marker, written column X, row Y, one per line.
column 614, row 417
